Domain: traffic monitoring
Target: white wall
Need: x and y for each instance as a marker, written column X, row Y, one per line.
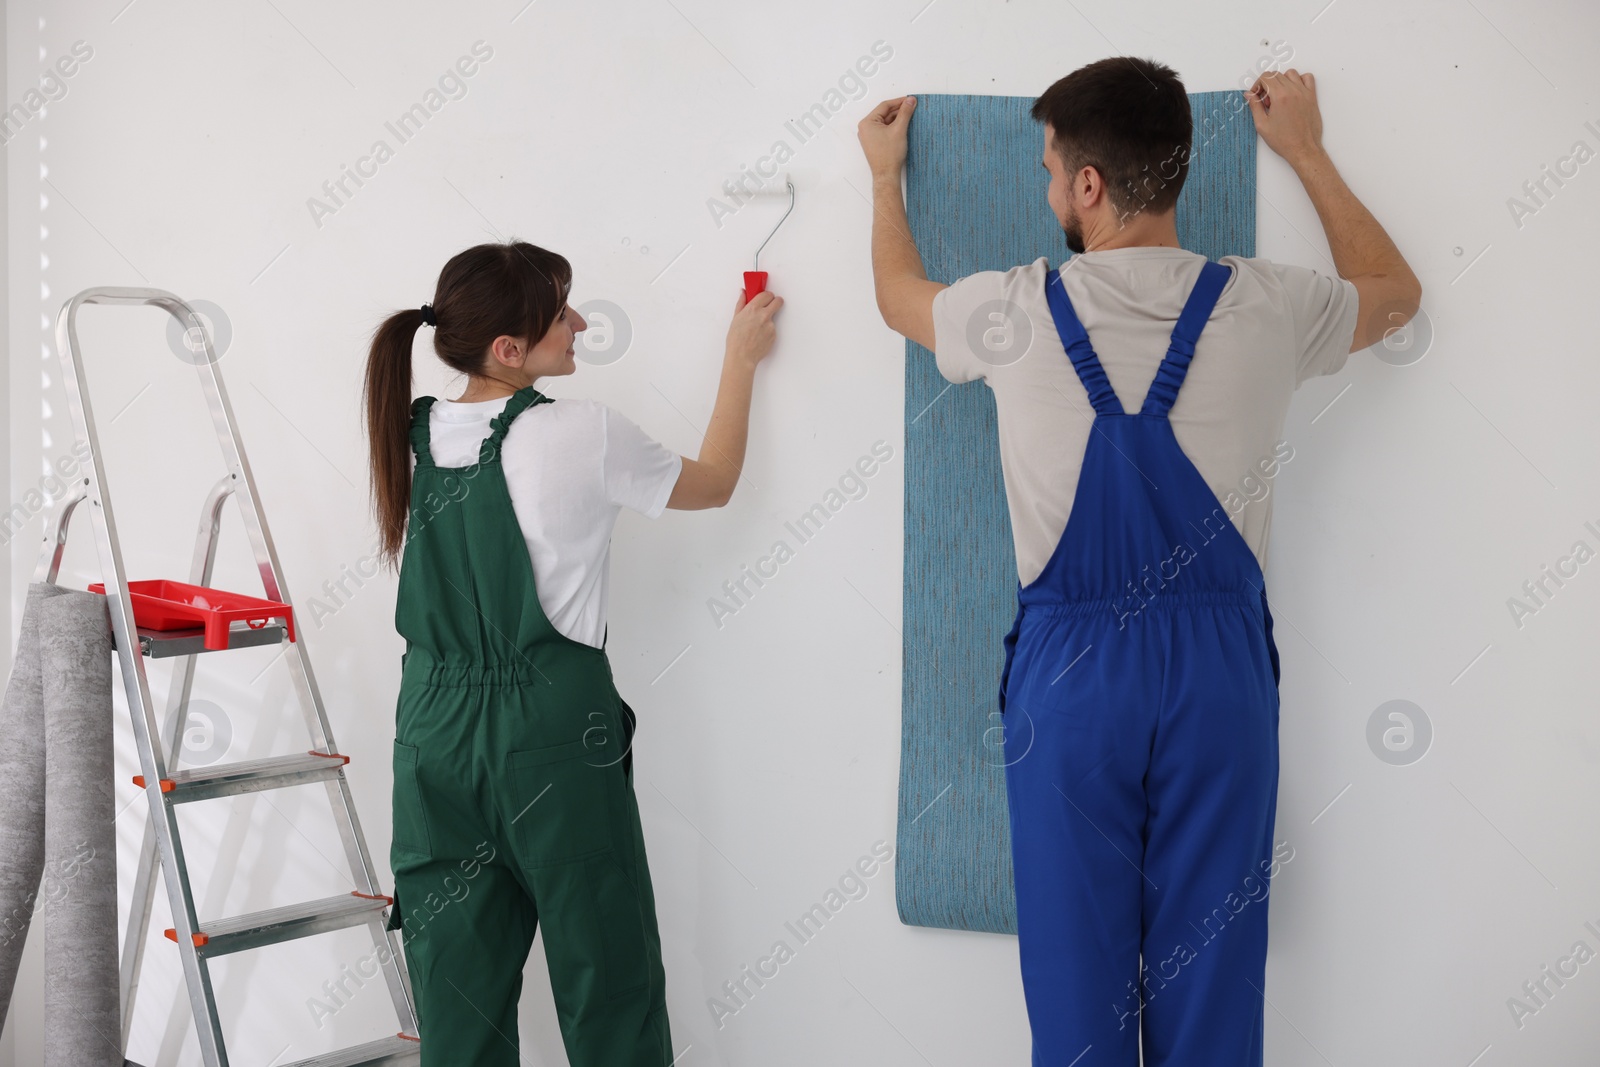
column 1419, row 500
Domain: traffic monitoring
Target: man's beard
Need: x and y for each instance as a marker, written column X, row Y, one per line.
column 1073, row 228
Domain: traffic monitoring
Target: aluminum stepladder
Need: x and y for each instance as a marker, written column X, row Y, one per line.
column 165, row 786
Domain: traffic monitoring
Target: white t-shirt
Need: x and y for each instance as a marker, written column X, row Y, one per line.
column 570, row 467
column 1274, row 326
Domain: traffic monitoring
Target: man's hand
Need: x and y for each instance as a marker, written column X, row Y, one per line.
column 883, row 136
column 1284, row 105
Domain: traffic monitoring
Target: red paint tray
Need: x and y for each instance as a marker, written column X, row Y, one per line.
column 166, row 605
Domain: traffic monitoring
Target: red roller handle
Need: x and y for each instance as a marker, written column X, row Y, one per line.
column 755, row 281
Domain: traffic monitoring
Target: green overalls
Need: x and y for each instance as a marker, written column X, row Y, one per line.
column 513, row 795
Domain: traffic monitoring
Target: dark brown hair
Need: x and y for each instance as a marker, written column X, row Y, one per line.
column 1129, row 119
column 513, row 289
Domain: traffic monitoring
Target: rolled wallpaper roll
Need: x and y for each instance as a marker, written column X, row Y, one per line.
column 82, row 1006
column 21, row 792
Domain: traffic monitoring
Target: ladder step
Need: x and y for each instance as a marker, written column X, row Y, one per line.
column 388, row 1051
column 249, row 776
column 222, row 936
column 163, row 644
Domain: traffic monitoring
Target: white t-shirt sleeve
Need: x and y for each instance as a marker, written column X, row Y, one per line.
column 1324, row 307
column 957, row 311
column 639, row 471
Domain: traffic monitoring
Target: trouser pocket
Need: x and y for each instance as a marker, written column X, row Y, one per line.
column 410, row 820
column 395, row 918
column 560, row 807
column 630, row 723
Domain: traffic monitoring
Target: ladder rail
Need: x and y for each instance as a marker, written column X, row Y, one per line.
column 178, row 690
column 152, row 761
column 55, row 538
column 161, row 844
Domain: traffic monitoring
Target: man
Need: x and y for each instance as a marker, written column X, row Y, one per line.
column 1141, row 670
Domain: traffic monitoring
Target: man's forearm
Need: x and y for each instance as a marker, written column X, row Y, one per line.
column 1360, row 246
column 894, row 253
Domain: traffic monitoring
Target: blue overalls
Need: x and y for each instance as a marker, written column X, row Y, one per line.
column 1140, row 701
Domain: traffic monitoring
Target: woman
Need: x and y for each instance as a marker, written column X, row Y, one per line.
column 513, row 796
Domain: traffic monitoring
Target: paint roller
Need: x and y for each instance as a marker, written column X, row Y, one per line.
column 755, row 281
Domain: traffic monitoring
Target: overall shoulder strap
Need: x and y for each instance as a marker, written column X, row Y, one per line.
column 1196, row 310
column 516, row 404
column 1076, row 341
column 419, row 429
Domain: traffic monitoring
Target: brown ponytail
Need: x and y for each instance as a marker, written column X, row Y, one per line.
column 491, row 290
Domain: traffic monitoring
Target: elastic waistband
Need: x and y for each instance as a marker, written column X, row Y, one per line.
column 441, row 675
column 1132, row 605
column 420, row 668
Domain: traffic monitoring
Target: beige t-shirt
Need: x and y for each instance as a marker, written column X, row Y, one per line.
column 1274, row 326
